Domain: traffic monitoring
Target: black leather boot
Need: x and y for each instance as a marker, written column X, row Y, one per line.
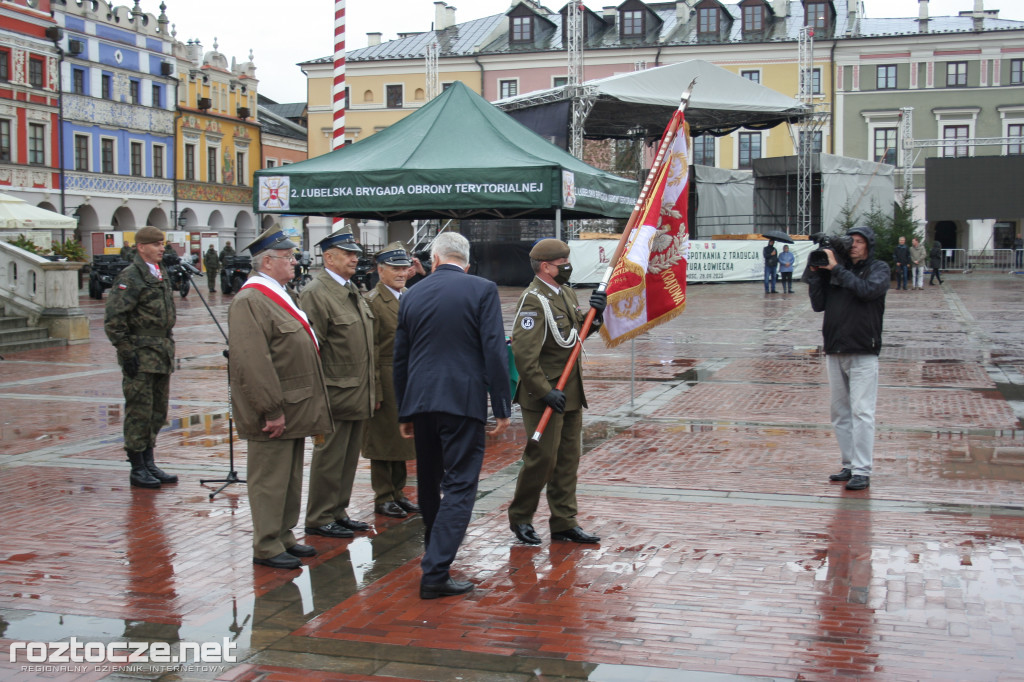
column 157, row 473
column 140, row 476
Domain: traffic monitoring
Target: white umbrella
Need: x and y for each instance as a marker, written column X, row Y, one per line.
column 16, row 214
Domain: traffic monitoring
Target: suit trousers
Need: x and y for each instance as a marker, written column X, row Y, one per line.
column 554, row 463
column 273, row 475
column 853, row 380
column 449, row 455
column 332, row 473
column 145, row 408
column 387, row 478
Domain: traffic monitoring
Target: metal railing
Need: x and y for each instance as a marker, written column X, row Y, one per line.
column 1004, row 260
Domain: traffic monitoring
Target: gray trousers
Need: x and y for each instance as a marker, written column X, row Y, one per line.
column 332, row 473
column 918, row 272
column 853, row 379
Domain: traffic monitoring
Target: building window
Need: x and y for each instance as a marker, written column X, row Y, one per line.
column 707, row 21
column 1016, row 71
column 394, row 97
column 5, row 140
column 752, row 76
column 509, row 88
column 240, row 167
column 158, row 96
column 271, row 163
column 885, row 78
column 106, row 155
column 522, row 29
column 559, row 81
column 753, row 18
column 211, row 164
column 133, row 92
column 81, row 152
column 78, row 81
column 750, row 149
column 816, row 15
column 952, row 134
column 704, row 150
column 956, row 74
column 632, row 23
column 106, row 89
column 5, row 65
column 816, row 141
column 1015, row 130
column 885, row 146
column 36, row 143
column 136, row 153
column 190, row 162
column 815, row 81
column 158, row 161
column 35, row 72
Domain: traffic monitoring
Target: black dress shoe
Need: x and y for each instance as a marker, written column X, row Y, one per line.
column 576, row 534
column 446, row 589
column 859, row 483
column 330, row 530
column 282, row 560
column 390, row 508
column 525, row 533
column 407, row 504
column 301, row 550
column 843, row 475
column 352, row 524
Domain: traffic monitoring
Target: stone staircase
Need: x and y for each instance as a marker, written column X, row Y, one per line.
column 17, row 336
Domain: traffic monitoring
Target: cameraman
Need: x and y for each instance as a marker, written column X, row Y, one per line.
column 852, row 295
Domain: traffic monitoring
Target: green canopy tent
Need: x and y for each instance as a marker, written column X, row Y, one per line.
column 456, row 157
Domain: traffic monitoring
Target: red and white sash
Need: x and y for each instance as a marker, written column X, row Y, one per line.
column 284, row 302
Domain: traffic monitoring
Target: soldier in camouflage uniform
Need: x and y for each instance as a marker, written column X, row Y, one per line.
column 212, row 262
column 139, row 317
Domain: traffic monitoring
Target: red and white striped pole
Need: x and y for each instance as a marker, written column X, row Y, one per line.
column 339, row 74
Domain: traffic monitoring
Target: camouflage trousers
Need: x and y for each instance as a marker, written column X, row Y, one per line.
column 211, row 278
column 145, row 409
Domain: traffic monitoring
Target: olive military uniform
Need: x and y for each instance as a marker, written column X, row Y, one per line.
column 212, row 262
column 552, row 462
column 139, row 317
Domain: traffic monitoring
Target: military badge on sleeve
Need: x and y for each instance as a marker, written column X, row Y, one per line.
column 526, row 323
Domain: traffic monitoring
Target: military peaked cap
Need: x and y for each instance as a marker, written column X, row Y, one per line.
column 394, row 254
column 341, row 239
column 273, row 238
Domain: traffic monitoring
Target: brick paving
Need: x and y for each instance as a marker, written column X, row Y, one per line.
column 725, row 550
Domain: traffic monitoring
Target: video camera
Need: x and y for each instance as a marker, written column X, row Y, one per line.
column 838, row 244
column 423, row 256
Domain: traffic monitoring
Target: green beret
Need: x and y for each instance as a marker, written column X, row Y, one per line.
column 549, row 249
column 149, row 235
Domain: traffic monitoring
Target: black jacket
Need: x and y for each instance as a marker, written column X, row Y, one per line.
column 853, row 299
column 902, row 254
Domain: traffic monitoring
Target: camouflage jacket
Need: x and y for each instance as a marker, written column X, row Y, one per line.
column 211, row 260
column 139, row 317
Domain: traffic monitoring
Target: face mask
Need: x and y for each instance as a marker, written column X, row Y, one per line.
column 564, row 273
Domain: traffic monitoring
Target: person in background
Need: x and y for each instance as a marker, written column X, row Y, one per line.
column 227, row 251
column 901, row 255
column 383, row 444
column 917, row 256
column 786, row 262
column 771, row 266
column 212, row 263
column 935, row 263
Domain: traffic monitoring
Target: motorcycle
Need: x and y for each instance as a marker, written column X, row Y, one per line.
column 302, row 276
column 233, row 274
column 178, row 273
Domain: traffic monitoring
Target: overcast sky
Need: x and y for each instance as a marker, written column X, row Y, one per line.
column 280, row 37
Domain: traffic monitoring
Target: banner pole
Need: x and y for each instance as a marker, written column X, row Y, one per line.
column 659, row 159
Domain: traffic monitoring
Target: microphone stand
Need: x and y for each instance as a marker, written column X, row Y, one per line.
column 232, row 476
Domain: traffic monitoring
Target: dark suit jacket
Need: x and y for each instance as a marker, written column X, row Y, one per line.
column 450, row 348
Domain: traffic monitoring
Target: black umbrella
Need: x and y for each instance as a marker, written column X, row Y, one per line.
column 778, row 236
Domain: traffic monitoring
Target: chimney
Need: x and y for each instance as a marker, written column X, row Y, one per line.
column 979, row 14
column 853, row 14
column 781, row 8
column 609, row 12
column 372, row 39
column 450, row 15
column 682, row 11
column 440, row 15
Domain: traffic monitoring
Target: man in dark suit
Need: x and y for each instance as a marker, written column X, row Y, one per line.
column 449, row 355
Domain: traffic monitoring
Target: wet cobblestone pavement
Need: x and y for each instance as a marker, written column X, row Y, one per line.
column 726, row 554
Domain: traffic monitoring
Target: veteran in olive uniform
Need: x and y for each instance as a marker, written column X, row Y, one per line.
column 383, row 444
column 278, row 397
column 344, row 325
column 138, row 320
column 212, row 262
column 544, row 332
